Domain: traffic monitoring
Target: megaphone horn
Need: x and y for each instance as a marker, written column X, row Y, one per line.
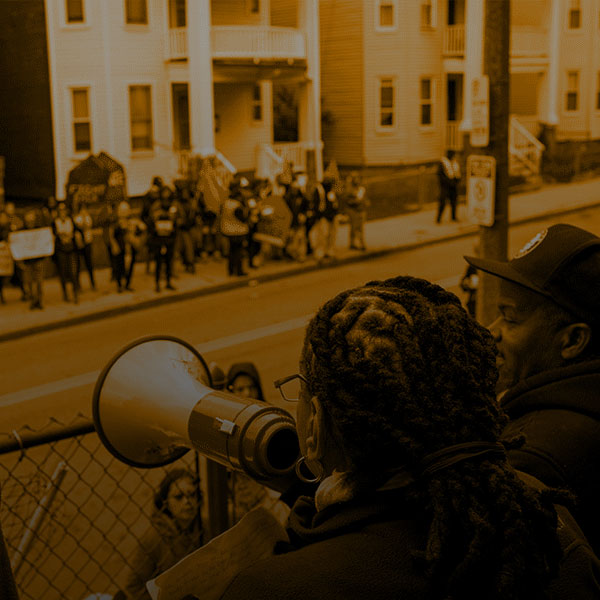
column 154, row 401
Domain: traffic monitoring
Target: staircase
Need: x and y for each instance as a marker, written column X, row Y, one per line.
column 524, row 151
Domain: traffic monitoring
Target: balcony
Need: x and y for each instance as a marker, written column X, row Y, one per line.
column 257, row 42
column 454, row 40
column 231, row 42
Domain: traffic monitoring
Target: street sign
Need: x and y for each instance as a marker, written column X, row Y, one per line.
column 481, row 188
column 480, row 111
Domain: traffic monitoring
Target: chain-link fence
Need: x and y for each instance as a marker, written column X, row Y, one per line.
column 71, row 513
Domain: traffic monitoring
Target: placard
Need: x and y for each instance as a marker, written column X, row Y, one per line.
column 481, row 189
column 31, row 243
column 480, row 112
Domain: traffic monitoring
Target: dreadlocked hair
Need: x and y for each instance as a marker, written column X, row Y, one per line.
column 400, row 366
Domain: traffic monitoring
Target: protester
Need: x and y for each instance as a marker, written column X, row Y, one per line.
column 234, row 224
column 165, row 219
column 149, row 200
column 548, row 338
column 175, row 531
column 33, row 268
column 317, row 224
column 356, row 204
column 120, row 248
column 66, row 251
column 184, row 243
column 297, row 202
column 14, row 224
column 449, row 178
column 398, row 420
column 84, row 240
column 243, row 380
column 4, row 231
column 330, row 214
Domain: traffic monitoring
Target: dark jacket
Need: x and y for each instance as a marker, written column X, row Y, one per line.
column 559, row 413
column 160, row 547
column 364, row 549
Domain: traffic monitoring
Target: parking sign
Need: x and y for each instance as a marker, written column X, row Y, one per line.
column 481, row 188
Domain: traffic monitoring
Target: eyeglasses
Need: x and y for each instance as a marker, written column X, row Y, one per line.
column 289, row 387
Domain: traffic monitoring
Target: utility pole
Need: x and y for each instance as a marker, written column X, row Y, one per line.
column 494, row 239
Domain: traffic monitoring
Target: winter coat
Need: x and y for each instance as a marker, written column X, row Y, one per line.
column 364, row 549
column 559, row 413
column 161, row 546
column 245, row 368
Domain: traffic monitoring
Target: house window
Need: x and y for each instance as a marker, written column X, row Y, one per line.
column 140, row 114
column 257, row 111
column 386, row 103
column 598, row 92
column 428, row 14
column 572, row 103
column 426, row 96
column 386, row 15
column 177, row 14
column 136, row 12
column 253, row 6
column 75, row 11
column 574, row 14
column 82, row 128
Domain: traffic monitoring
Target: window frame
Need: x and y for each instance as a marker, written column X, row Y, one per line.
column 130, row 87
column 386, row 28
column 569, row 90
column 433, row 15
column 257, row 103
column 574, row 5
column 77, row 120
column 427, row 101
column 381, row 109
column 75, row 24
column 129, row 23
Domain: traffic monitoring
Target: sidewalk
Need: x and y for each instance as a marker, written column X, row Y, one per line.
column 382, row 236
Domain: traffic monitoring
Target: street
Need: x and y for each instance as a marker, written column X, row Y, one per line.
column 51, row 375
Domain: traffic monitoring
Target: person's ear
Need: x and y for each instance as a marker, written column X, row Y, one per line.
column 574, row 339
column 316, row 431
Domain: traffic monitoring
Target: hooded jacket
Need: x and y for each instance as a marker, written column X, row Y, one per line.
column 559, row 413
column 363, row 548
column 245, row 368
column 161, row 546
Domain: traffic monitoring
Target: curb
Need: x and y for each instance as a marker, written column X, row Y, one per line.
column 469, row 231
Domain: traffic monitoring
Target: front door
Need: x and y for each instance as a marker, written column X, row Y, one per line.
column 181, row 116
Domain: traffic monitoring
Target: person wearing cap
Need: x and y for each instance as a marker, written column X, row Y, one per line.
column 399, row 431
column 548, row 339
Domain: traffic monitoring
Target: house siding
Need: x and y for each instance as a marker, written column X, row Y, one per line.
column 25, row 98
column 284, row 13
column 404, row 54
column 342, row 80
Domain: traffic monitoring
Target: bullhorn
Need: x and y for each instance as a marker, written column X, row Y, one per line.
column 154, row 401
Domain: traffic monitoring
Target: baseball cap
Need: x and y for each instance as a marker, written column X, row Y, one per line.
column 561, row 263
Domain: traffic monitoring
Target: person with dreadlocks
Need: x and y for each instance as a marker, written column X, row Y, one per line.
column 398, row 421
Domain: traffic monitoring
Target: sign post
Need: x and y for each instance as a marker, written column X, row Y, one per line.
column 481, row 189
column 480, row 112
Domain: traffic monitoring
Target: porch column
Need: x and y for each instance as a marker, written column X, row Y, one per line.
column 201, row 98
column 551, row 116
column 474, row 20
column 308, row 21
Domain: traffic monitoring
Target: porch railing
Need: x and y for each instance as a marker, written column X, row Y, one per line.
column 257, row 42
column 177, row 46
column 454, row 137
column 525, row 150
column 454, row 40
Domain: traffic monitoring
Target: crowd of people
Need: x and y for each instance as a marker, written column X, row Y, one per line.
column 177, row 223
